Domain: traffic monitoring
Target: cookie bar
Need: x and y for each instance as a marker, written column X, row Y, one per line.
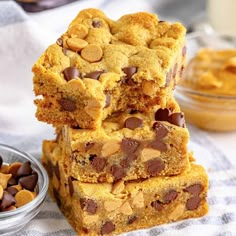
column 100, row 66
column 110, row 209
column 128, row 146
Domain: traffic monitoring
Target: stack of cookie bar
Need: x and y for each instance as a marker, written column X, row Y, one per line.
column 120, row 160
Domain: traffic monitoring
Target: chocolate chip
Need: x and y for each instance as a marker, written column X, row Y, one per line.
column 129, row 145
column 12, row 190
column 175, row 70
column 57, row 197
column 129, row 71
column 7, row 200
column 184, row 51
column 159, row 145
column 108, row 101
column 96, row 24
column 118, row 172
column 170, row 196
column 155, row 166
column 177, row 119
column 168, row 77
column 88, row 205
column 12, row 181
column 67, row 104
column 71, row 73
column 161, row 21
column 56, row 170
column 71, row 187
column 94, row 75
column 130, row 82
column 128, row 160
column 193, row 203
column 59, row 42
column 132, row 219
column 194, row 189
column 25, row 169
column 107, row 228
column 162, row 114
column 133, row 123
column 29, row 182
column 89, row 145
column 157, row 205
column 1, row 161
column 181, row 71
column 231, row 69
column 98, row 163
column 160, row 130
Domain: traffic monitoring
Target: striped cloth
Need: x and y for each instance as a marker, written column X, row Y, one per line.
column 21, row 42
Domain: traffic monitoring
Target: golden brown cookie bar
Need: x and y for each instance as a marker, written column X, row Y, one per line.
column 128, row 146
column 100, row 66
column 102, row 209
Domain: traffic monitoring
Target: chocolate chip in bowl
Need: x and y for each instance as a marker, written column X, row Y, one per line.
column 23, row 188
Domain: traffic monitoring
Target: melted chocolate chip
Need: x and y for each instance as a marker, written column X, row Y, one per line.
column 88, row 205
column 129, row 145
column 57, row 197
column 160, row 130
column 194, row 189
column 7, row 200
column 108, row 100
column 59, row 42
column 89, row 145
column 128, row 160
column 177, row 119
column 181, row 71
column 96, row 24
column 129, row 71
column 67, row 104
column 107, row 228
column 132, row 219
column 94, row 75
column 157, row 205
column 1, row 161
column 25, row 169
column 170, row 196
column 118, row 172
column 231, row 69
column 71, row 187
column 98, row 163
column 162, row 114
column 71, row 73
column 56, row 170
column 159, row 145
column 155, row 166
column 161, row 21
column 12, row 190
column 29, row 182
column 133, row 123
column 193, row 203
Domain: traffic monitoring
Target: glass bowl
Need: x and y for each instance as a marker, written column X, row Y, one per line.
column 14, row 220
column 207, row 111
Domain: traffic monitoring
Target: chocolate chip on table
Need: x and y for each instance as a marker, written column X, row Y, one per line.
column 133, row 123
column 1, row 161
column 12, row 190
column 157, row 205
column 160, row 130
column 98, row 163
column 132, row 219
column 162, row 114
column 25, row 169
column 170, row 196
column 88, row 205
column 194, row 189
column 29, row 182
column 193, row 203
column 71, row 73
column 129, row 145
column 118, row 172
column 108, row 100
column 7, row 200
column 67, row 104
column 59, row 42
column 177, row 119
column 94, row 75
column 159, row 145
column 96, row 24
column 107, row 228
column 155, row 166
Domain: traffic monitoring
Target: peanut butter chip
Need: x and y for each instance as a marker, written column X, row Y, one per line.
column 78, row 30
column 23, row 197
column 92, row 53
column 4, row 179
column 76, row 44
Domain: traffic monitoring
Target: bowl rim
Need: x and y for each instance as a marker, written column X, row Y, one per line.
column 42, row 193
